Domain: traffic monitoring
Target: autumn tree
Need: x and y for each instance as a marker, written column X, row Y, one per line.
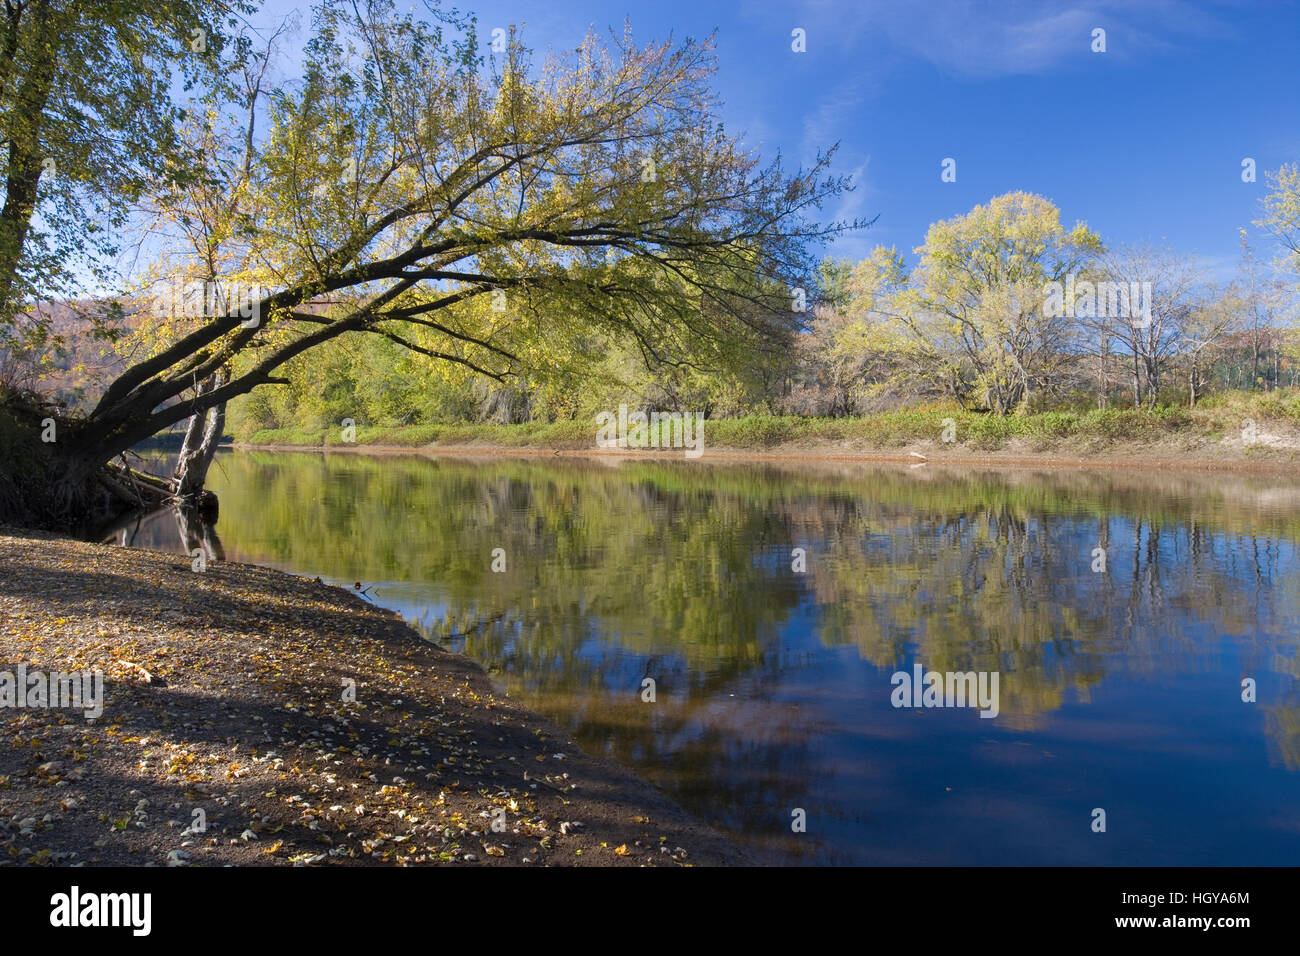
column 1216, row 315
column 979, row 306
column 203, row 230
column 87, row 127
column 474, row 210
column 1153, row 337
column 1280, row 216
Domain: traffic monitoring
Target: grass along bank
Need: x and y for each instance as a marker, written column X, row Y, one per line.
column 1235, row 426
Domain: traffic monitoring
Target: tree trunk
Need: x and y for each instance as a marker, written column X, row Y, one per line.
column 1103, row 381
column 50, row 479
column 200, row 444
column 25, row 114
column 1153, row 381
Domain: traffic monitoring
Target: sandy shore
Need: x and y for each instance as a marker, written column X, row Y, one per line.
column 1282, row 461
column 224, row 705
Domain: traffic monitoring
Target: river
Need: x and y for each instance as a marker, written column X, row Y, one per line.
column 1125, row 614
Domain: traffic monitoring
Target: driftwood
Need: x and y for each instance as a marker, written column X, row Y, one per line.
column 148, row 490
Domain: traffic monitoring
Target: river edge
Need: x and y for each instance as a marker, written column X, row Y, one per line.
column 1161, row 457
column 224, row 705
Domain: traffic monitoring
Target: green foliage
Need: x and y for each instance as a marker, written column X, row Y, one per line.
column 89, row 126
column 833, row 277
column 1063, row 431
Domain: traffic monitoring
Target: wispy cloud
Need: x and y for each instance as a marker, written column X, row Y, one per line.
column 978, row 38
column 826, row 123
column 854, row 205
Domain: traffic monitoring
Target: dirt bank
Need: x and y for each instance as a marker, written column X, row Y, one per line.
column 224, row 703
column 1157, row 456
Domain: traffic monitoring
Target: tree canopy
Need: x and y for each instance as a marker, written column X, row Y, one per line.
column 475, row 208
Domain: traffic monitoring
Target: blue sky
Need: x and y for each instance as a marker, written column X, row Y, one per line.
column 1144, row 142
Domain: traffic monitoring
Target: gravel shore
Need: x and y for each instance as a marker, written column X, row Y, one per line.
column 228, row 735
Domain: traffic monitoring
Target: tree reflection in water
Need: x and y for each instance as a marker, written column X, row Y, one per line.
column 773, row 685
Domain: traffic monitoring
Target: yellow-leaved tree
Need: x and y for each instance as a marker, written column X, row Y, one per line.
column 476, row 209
column 979, row 306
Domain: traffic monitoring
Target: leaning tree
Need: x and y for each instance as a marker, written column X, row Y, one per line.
column 454, row 198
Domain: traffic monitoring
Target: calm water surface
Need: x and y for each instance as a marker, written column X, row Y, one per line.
column 1119, row 690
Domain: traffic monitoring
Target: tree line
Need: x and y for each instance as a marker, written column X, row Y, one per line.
column 1006, row 312
column 420, row 225
column 462, row 201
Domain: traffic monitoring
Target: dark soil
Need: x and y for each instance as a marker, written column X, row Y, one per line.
column 224, row 693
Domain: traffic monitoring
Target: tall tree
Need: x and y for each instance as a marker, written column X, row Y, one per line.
column 1154, row 340
column 980, row 300
column 1262, row 297
column 476, row 211
column 87, row 126
column 1214, row 317
column 1281, row 212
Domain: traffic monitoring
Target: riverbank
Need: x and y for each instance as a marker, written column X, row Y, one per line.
column 224, row 704
column 1241, row 431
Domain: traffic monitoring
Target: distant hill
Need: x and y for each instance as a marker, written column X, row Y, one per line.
column 87, row 363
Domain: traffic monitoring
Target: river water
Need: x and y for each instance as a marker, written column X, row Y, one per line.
column 1122, row 613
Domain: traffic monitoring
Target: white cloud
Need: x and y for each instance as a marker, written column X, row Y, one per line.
column 983, row 39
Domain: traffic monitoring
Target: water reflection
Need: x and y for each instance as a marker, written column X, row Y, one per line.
column 1120, row 688
column 194, row 530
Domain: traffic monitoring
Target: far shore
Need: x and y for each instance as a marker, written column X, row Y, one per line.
column 1257, row 433
column 1282, row 461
